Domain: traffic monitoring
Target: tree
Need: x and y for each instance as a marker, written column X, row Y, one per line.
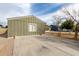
column 6, row 26
column 68, row 24
column 1, row 26
column 74, row 16
column 58, row 19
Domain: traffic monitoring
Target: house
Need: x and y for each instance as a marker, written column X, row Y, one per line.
column 54, row 28
column 1, row 26
column 26, row 25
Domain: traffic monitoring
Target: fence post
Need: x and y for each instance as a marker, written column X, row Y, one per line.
column 59, row 33
column 76, row 32
column 14, row 37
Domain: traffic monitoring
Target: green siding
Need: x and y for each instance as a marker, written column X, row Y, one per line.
column 18, row 26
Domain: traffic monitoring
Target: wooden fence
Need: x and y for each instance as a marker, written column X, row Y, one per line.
column 70, row 35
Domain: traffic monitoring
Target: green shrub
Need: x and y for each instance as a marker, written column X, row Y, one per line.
column 68, row 24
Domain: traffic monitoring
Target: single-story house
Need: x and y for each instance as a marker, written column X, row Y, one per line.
column 54, row 28
column 26, row 25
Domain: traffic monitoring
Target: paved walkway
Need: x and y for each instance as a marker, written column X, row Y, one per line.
column 45, row 46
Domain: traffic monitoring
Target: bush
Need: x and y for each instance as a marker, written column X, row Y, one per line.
column 68, row 24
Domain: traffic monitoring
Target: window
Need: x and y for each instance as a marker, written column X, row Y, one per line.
column 32, row 27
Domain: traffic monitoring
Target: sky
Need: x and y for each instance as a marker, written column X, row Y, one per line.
column 44, row 11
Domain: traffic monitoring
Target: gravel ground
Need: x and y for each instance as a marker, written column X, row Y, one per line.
column 44, row 46
column 6, row 46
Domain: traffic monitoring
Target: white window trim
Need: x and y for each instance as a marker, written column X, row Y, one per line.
column 32, row 27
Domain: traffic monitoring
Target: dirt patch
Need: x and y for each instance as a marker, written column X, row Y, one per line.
column 6, row 47
column 4, row 32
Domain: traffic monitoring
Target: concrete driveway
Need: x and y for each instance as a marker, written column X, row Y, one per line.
column 45, row 46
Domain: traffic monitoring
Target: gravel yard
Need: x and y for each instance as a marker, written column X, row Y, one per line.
column 45, row 46
column 6, row 46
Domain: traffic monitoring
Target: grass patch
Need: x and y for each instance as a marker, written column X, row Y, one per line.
column 3, row 30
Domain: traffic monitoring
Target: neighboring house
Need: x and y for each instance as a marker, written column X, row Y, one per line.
column 54, row 28
column 26, row 25
column 1, row 26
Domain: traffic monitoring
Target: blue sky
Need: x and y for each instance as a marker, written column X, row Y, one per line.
column 8, row 10
column 46, row 8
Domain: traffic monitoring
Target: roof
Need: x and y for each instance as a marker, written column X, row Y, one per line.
column 20, row 17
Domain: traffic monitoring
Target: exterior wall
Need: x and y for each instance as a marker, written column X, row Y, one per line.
column 19, row 26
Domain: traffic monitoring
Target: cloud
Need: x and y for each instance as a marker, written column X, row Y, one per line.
column 44, row 11
column 12, row 9
column 26, row 8
column 49, row 19
column 74, row 11
column 45, row 8
column 8, row 10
